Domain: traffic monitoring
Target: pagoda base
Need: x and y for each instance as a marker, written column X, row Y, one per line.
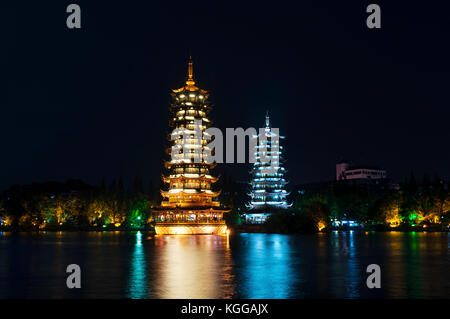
column 190, row 229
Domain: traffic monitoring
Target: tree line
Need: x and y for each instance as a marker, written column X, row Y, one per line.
column 410, row 205
column 76, row 205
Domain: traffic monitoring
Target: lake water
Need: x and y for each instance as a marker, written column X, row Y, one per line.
column 134, row 265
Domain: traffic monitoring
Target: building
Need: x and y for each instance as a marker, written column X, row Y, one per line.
column 189, row 205
column 346, row 171
column 267, row 185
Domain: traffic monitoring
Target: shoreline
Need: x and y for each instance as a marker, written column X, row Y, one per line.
column 249, row 229
column 28, row 230
column 261, row 228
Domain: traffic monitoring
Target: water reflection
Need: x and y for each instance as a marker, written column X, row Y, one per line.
column 137, row 286
column 266, row 262
column 321, row 265
column 344, row 268
column 191, row 267
column 131, row 265
column 353, row 280
column 412, row 266
column 395, row 245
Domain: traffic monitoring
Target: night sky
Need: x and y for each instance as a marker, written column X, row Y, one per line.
column 94, row 102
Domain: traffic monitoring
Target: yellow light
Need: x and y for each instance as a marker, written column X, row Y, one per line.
column 394, row 222
column 7, row 221
column 117, row 224
column 192, row 175
column 321, row 225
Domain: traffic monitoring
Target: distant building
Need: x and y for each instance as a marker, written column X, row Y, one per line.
column 346, row 171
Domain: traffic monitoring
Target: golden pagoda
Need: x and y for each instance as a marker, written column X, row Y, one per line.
column 189, row 205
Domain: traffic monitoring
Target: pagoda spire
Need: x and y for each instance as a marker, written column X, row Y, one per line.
column 190, row 81
column 267, row 119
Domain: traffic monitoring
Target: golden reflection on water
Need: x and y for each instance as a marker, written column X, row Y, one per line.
column 193, row 267
column 407, row 255
column 395, row 266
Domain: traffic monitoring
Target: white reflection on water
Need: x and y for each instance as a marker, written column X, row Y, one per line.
column 353, row 280
column 344, row 266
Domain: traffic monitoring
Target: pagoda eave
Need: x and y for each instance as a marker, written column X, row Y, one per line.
column 189, row 88
column 196, row 209
column 167, row 194
column 183, row 178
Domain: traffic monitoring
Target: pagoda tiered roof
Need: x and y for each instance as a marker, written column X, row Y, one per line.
column 182, row 177
column 169, row 165
column 190, row 209
column 189, row 192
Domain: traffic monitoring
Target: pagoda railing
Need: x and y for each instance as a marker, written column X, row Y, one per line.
column 218, row 221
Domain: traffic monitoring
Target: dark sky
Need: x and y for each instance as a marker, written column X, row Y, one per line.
column 94, row 102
